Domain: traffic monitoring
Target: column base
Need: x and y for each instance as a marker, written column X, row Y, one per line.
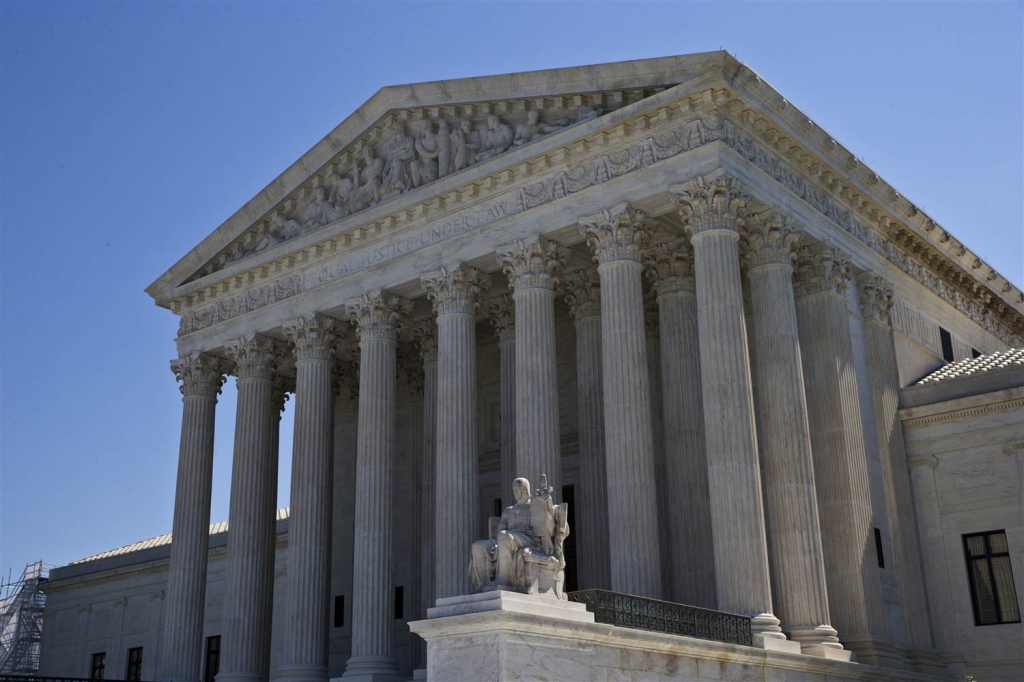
column 370, row 669
column 301, row 673
column 820, row 641
column 768, row 635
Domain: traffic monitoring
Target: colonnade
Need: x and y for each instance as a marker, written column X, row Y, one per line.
column 755, row 527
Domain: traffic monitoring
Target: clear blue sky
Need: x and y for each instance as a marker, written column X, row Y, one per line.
column 130, row 132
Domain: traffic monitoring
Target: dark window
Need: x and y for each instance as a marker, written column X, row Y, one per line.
column 99, row 666
column 134, row 671
column 339, row 611
column 988, row 570
column 878, row 548
column 947, row 344
column 399, row 602
column 569, row 548
column 496, row 507
column 212, row 658
column 975, row 353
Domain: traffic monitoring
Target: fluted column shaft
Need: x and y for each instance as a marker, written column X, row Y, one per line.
column 531, row 266
column 709, row 210
column 876, row 298
column 801, row 596
column 582, row 290
column 427, row 342
column 837, row 440
column 373, row 598
column 670, row 267
column 201, row 376
column 454, row 292
column 652, row 329
column 502, row 314
column 617, row 236
column 251, row 514
column 304, row 656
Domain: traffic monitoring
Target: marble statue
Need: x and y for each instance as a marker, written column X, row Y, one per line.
column 465, row 142
column 428, row 150
column 369, row 180
column 497, row 138
column 319, row 211
column 401, row 171
column 526, row 552
column 530, row 129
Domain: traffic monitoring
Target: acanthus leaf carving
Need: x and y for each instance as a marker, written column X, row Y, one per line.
column 767, row 238
column 821, row 268
column 582, row 292
column 533, row 262
column 377, row 314
column 616, row 234
column 876, row 298
column 707, row 204
column 455, row 289
column 501, row 311
column 669, row 266
column 200, row 374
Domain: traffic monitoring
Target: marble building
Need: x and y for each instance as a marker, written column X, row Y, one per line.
column 658, row 283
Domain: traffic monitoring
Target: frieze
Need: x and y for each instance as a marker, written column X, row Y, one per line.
column 820, row 200
column 254, row 299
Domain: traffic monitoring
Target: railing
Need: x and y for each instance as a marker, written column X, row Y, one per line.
column 628, row 611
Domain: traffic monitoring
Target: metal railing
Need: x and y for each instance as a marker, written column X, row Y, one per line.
column 641, row 613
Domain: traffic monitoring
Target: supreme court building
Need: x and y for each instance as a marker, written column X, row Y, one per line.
column 659, row 284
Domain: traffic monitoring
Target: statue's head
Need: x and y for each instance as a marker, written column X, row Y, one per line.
column 467, row 126
column 442, row 125
column 398, row 129
column 521, row 489
column 533, row 116
column 368, row 154
column 320, row 193
column 492, row 121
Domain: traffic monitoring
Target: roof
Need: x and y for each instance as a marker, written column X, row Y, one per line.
column 161, row 540
column 978, row 365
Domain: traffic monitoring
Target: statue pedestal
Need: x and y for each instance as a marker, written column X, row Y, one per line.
column 509, row 636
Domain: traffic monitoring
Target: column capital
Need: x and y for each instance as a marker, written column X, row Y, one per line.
column 501, row 311
column 280, row 387
column 200, row 374
column 615, row 234
column 767, row 238
column 346, row 375
column 821, row 268
column 424, row 335
column 709, row 203
column 531, row 263
column 454, row 289
column 582, row 291
column 377, row 314
column 411, row 363
column 254, row 356
column 669, row 266
column 313, row 336
column 876, row 298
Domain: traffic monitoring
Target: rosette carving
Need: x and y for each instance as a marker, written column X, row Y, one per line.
column 767, row 238
column 454, row 290
column 821, row 269
column 254, row 356
column 378, row 314
column 200, row 374
column 532, row 263
column 670, row 266
column 707, row 204
column 501, row 311
column 615, row 234
column 582, row 292
column 313, row 337
column 876, row 298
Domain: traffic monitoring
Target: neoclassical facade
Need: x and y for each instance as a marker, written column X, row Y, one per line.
column 657, row 283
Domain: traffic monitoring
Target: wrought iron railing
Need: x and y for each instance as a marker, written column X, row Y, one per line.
column 628, row 611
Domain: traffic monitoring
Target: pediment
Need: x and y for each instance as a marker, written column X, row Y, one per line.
column 407, row 137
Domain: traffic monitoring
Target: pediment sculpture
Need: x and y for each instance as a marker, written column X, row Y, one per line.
column 525, row 553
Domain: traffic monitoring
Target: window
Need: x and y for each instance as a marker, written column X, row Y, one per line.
column 339, row 611
column 134, row 671
column 988, row 570
column 399, row 602
column 878, row 548
column 212, row 658
column 947, row 344
column 99, row 666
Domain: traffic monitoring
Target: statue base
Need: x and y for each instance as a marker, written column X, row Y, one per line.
column 502, row 635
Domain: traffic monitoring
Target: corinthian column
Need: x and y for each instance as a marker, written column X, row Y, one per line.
column 670, row 269
column 792, row 509
column 454, row 292
column 304, row 657
column 617, row 237
column 377, row 315
column 249, row 584
column 837, row 439
column 582, row 290
column 708, row 209
column 531, row 265
column 502, row 313
column 876, row 298
column 425, row 335
column 201, row 377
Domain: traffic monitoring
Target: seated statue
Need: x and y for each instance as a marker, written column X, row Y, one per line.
column 526, row 553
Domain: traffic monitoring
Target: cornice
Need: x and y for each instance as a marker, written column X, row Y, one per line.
column 1003, row 406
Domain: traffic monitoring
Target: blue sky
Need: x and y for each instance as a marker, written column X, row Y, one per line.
column 129, row 132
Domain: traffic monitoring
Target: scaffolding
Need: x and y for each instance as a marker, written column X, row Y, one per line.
column 21, row 620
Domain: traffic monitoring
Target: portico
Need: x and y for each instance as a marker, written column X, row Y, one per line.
column 370, row 273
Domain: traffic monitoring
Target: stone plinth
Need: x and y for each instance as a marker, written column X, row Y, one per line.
column 510, row 636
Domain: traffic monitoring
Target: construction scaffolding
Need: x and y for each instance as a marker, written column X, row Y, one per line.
column 21, row 620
